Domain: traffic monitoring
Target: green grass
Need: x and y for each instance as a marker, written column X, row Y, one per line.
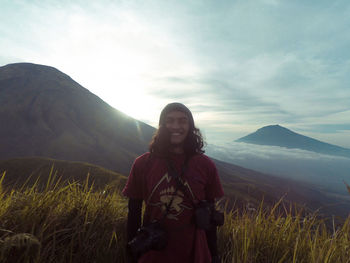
column 74, row 222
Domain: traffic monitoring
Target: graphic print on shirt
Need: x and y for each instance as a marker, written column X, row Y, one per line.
column 163, row 192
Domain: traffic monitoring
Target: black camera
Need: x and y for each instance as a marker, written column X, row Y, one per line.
column 207, row 216
column 150, row 237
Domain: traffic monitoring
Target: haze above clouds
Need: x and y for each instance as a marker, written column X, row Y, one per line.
column 325, row 171
column 238, row 65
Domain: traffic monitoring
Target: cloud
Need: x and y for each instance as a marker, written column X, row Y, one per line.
column 325, row 171
column 238, row 65
column 260, row 63
column 235, row 150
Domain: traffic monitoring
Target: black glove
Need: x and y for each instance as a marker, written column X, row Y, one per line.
column 133, row 223
column 129, row 256
column 216, row 259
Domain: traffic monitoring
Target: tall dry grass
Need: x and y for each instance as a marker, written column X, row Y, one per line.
column 271, row 236
column 72, row 222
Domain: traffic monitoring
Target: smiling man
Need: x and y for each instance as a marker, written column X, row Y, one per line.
column 178, row 184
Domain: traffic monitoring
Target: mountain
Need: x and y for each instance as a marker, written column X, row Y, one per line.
column 46, row 113
column 277, row 135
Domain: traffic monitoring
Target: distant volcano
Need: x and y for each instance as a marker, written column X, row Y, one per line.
column 276, row 135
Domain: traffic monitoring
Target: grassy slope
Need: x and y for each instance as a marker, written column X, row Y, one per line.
column 70, row 223
column 19, row 170
column 73, row 222
column 242, row 187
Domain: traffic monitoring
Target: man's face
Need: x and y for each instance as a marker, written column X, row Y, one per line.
column 178, row 125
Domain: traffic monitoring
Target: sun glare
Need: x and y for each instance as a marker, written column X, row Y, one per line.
column 124, row 59
column 120, row 69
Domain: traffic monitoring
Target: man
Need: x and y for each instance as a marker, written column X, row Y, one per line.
column 172, row 179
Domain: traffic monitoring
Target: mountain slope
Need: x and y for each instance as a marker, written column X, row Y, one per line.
column 20, row 171
column 242, row 187
column 248, row 188
column 45, row 113
column 277, row 135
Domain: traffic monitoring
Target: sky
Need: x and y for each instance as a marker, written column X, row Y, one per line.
column 238, row 65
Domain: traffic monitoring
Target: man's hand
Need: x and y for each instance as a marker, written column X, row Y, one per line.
column 133, row 223
column 216, row 259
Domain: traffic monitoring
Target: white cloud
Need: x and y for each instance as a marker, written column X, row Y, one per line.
column 237, row 150
column 325, row 171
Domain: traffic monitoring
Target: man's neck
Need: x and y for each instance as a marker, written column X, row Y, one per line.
column 177, row 149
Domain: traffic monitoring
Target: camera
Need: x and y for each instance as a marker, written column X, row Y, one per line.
column 207, row 216
column 150, row 237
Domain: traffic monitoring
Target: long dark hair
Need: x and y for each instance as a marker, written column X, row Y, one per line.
column 160, row 144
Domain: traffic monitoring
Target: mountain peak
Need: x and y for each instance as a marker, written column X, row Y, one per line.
column 276, row 126
column 21, row 77
column 273, row 127
column 30, row 70
column 276, row 135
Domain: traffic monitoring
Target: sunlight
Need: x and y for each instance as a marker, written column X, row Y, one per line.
column 129, row 59
column 120, row 68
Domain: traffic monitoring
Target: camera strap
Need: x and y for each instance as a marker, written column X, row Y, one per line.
column 176, row 176
column 179, row 181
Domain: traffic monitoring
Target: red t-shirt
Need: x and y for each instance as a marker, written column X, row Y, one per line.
column 149, row 180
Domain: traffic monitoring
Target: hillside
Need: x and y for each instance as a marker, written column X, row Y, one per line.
column 277, row 135
column 248, row 188
column 27, row 170
column 243, row 187
column 45, row 113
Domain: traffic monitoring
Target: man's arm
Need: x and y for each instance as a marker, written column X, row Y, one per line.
column 133, row 224
column 213, row 190
column 212, row 241
column 134, row 218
